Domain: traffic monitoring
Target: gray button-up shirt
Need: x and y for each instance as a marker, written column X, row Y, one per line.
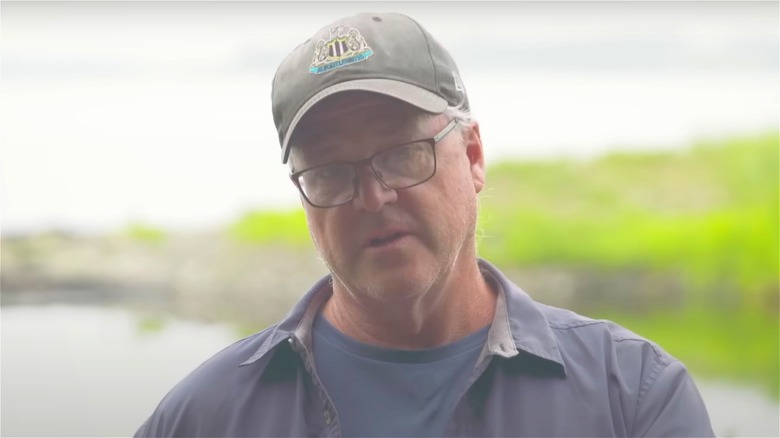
column 543, row 371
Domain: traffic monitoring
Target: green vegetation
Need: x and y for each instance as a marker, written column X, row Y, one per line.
column 151, row 324
column 145, row 233
column 707, row 216
column 272, row 227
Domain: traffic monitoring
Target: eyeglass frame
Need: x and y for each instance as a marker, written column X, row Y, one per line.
column 356, row 165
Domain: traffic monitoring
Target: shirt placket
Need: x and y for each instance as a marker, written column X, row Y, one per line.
column 327, row 411
column 459, row 424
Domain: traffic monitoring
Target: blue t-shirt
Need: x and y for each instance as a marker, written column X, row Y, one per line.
column 386, row 392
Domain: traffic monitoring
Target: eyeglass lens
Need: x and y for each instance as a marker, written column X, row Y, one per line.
column 397, row 168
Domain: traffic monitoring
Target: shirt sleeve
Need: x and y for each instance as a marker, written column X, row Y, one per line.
column 155, row 427
column 143, row 431
column 671, row 406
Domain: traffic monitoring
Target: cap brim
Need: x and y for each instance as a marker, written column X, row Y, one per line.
column 411, row 94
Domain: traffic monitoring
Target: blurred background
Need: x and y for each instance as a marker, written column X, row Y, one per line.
column 147, row 221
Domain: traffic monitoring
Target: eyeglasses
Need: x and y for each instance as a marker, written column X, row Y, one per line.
column 398, row 167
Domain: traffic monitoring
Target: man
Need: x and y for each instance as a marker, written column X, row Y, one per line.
column 411, row 334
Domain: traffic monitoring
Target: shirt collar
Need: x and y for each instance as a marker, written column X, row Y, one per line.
column 298, row 322
column 518, row 324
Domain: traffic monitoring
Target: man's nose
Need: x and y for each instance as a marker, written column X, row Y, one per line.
column 371, row 193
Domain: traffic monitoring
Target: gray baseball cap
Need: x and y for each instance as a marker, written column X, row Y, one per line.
column 384, row 53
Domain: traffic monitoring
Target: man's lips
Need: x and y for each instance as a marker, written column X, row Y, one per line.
column 384, row 237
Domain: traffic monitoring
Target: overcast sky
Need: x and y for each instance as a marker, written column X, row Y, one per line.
column 160, row 112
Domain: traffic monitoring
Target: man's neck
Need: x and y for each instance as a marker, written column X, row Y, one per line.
column 461, row 305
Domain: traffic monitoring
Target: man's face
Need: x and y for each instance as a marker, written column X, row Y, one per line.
column 391, row 244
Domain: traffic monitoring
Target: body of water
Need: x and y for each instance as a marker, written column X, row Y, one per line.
column 100, row 371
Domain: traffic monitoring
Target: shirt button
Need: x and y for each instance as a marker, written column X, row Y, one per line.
column 328, row 417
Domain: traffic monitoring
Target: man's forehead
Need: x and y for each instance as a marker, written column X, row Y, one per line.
column 338, row 113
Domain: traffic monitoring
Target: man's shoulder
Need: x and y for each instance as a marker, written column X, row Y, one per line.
column 574, row 331
column 653, row 389
column 206, row 388
column 219, row 366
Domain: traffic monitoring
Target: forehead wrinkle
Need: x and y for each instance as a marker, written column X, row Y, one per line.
column 337, row 122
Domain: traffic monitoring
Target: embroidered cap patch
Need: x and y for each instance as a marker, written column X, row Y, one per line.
column 344, row 46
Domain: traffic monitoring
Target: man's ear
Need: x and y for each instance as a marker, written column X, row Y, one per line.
column 475, row 155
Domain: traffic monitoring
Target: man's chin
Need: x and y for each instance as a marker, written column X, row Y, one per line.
column 400, row 282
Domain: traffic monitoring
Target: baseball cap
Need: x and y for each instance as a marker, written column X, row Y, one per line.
column 386, row 53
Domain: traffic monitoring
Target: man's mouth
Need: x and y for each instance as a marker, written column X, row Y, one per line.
column 385, row 240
